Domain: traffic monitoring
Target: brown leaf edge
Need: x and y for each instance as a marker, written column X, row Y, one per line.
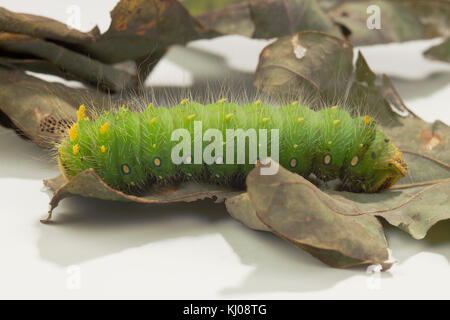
column 89, row 184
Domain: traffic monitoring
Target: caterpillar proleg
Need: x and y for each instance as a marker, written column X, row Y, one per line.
column 131, row 150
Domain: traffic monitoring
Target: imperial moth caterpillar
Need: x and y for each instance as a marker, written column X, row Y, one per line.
column 131, row 150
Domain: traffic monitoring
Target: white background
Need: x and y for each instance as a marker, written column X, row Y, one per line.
column 101, row 249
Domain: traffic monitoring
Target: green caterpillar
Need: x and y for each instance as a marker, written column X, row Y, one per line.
column 130, row 150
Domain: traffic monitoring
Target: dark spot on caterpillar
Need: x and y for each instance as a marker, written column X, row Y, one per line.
column 327, row 159
column 125, row 168
column 293, row 162
column 157, row 162
column 374, row 155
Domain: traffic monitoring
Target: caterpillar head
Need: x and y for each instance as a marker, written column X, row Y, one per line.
column 381, row 167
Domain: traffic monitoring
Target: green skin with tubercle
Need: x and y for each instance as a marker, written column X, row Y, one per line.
column 134, row 150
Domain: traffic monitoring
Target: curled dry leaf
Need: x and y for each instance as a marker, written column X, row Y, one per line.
column 41, row 27
column 367, row 97
column 75, row 65
column 89, row 184
column 36, row 65
column 305, row 62
column 140, row 28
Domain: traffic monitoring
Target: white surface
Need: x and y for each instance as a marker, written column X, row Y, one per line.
column 100, row 249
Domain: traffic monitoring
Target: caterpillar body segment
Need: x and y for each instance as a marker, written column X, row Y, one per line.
column 130, row 150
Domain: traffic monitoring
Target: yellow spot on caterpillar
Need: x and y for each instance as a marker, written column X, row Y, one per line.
column 150, row 105
column 154, row 146
column 184, row 101
column 301, row 119
column 327, row 159
column 334, row 108
column 335, row 122
column 295, row 146
column 264, row 120
column 104, row 128
column 354, row 161
column 330, row 142
column 228, row 116
column 222, row 100
column 366, row 119
column 81, row 113
column 76, row 149
column 153, row 120
column 73, row 132
column 294, row 103
column 257, row 102
column 191, row 116
column 103, row 149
